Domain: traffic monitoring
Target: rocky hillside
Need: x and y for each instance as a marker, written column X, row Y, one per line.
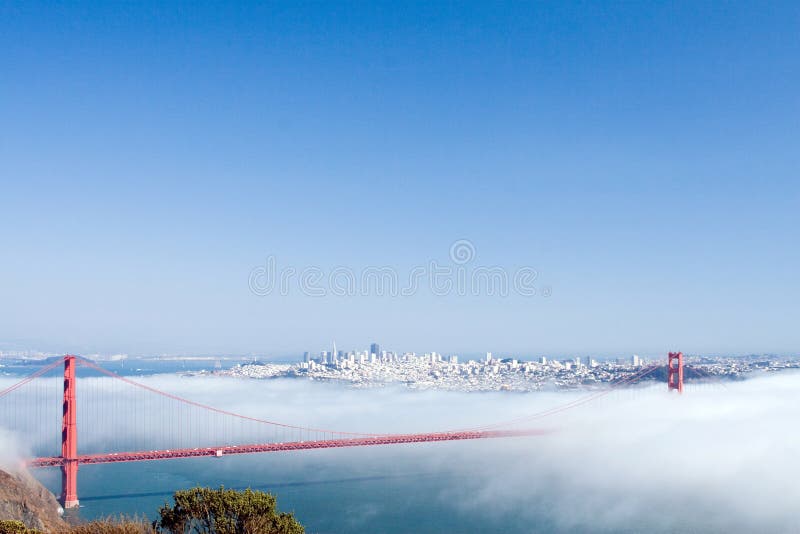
column 23, row 498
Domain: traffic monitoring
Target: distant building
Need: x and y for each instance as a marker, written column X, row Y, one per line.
column 375, row 349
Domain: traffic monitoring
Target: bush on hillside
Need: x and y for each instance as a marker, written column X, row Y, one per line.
column 225, row 511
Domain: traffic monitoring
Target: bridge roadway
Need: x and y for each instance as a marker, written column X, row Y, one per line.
column 388, row 439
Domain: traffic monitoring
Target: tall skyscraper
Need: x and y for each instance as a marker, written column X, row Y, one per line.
column 375, row 349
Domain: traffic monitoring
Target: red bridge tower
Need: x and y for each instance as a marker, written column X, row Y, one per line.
column 69, row 438
column 675, row 370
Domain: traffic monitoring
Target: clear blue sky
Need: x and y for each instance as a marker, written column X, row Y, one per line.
column 643, row 157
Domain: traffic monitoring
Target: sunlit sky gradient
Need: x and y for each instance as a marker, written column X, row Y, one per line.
column 644, row 159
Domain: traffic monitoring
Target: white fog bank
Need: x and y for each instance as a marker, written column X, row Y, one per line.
column 716, row 459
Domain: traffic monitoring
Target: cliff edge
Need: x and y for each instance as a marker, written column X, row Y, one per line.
column 22, row 497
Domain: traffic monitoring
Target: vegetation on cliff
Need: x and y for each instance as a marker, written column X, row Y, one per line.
column 195, row 511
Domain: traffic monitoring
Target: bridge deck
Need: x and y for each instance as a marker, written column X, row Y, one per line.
column 389, row 439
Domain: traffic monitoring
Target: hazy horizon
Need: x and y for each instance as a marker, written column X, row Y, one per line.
column 297, row 355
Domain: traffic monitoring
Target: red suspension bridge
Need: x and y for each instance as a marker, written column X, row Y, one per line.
column 29, row 407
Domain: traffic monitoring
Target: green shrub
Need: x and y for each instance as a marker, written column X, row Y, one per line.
column 221, row 511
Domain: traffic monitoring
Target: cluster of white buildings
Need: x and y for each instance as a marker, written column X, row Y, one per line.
column 351, row 360
column 432, row 370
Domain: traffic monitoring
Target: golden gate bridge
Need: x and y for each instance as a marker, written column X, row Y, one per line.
column 27, row 406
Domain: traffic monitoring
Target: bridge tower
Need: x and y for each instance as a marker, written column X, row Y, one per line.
column 69, row 438
column 675, row 372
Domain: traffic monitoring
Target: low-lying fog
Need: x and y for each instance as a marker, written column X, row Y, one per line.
column 719, row 458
